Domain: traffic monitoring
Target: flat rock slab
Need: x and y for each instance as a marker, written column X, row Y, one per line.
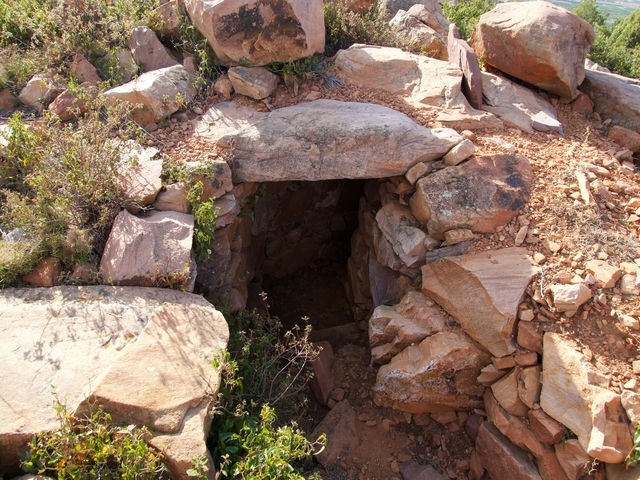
column 424, row 83
column 144, row 353
column 436, row 375
column 515, row 105
column 576, row 394
column 482, row 292
column 322, row 140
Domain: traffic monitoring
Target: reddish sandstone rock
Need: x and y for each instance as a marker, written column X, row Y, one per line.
column 455, row 198
column 482, row 292
column 538, row 42
column 501, row 458
column 255, row 33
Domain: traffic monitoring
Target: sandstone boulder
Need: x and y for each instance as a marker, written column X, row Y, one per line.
column 482, row 292
column 436, row 375
column 568, row 298
column 501, row 458
column 403, row 232
column 423, row 82
column 38, row 90
column 425, row 30
column 537, row 42
column 606, row 275
column 173, row 197
column 393, row 6
column 514, row 104
column 83, row 70
column 254, row 33
column 614, row 97
column 150, row 251
column 254, row 82
column 139, row 175
column 505, row 392
column 339, row 425
column 320, row 140
column 454, row 198
column 575, row 394
column 512, row 427
column 575, row 462
column 69, row 105
column 625, row 138
column 146, row 353
column 159, row 92
column 45, row 274
column 7, row 99
column 148, row 51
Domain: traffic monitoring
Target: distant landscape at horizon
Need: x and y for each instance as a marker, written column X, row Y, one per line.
column 615, row 8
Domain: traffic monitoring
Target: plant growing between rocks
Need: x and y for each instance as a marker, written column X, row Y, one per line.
column 93, row 447
column 263, row 372
column 204, row 210
column 61, row 188
column 344, row 27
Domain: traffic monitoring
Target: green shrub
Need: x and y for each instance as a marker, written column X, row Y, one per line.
column 294, row 73
column 48, row 33
column 60, row 185
column 466, row 13
column 633, row 457
column 263, row 372
column 344, row 28
column 588, row 10
column 615, row 47
column 93, row 448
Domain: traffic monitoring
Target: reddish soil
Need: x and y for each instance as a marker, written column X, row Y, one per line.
column 561, row 227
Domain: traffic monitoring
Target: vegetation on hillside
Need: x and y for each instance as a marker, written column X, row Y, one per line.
column 466, row 13
column 617, row 46
column 59, row 194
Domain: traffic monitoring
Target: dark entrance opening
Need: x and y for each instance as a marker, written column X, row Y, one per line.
column 306, row 248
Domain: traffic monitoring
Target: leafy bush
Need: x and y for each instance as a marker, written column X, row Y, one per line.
column 84, row 448
column 294, row 72
column 262, row 370
column 466, row 13
column 616, row 47
column 344, row 27
column 60, row 185
column 205, row 212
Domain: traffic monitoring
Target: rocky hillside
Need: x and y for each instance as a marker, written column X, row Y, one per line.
column 484, row 223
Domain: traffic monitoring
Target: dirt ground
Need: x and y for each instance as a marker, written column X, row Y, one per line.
column 564, row 232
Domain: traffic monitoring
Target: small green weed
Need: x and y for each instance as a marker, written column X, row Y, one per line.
column 633, row 457
column 294, row 73
column 204, row 210
column 93, row 447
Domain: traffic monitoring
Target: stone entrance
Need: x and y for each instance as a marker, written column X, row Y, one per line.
column 302, row 244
